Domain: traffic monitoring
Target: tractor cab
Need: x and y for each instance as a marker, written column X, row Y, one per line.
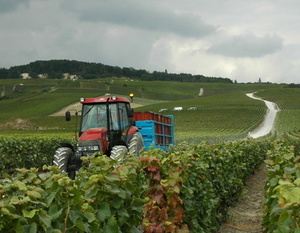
column 115, row 116
column 107, row 120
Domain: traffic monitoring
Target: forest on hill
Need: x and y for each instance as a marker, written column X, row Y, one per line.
column 55, row 69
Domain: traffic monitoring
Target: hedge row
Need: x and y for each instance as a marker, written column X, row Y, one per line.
column 187, row 189
column 283, row 188
column 27, row 152
column 103, row 198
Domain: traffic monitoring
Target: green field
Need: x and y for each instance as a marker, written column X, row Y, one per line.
column 223, row 111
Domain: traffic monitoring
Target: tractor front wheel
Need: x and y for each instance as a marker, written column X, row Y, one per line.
column 62, row 158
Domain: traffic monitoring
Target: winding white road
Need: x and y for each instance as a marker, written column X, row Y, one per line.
column 269, row 120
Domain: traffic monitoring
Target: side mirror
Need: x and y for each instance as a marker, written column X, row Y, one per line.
column 130, row 113
column 68, row 116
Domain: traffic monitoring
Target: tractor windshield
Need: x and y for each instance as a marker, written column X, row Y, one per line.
column 95, row 116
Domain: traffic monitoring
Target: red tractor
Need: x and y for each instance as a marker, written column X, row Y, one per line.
column 106, row 126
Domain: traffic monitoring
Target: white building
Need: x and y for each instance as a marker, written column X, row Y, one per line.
column 25, row 76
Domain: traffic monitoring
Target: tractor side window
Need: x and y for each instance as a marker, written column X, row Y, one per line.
column 118, row 116
column 113, row 114
column 124, row 121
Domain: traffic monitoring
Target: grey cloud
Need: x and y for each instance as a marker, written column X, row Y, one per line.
column 247, row 46
column 11, row 5
column 142, row 15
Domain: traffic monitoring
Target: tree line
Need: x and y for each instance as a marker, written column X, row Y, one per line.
column 54, row 69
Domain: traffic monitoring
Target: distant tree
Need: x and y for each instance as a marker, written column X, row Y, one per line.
column 293, row 85
column 56, row 69
column 3, row 73
column 14, row 74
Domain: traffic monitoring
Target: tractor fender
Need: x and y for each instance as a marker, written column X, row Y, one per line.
column 68, row 145
column 132, row 130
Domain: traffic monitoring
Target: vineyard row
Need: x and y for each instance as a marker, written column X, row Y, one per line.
column 187, row 189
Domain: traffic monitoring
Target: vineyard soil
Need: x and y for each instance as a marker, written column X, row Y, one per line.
column 246, row 215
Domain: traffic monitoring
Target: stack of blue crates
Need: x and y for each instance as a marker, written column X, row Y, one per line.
column 157, row 134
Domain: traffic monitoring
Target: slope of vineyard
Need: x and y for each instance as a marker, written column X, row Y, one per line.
column 216, row 118
column 223, row 112
column 287, row 123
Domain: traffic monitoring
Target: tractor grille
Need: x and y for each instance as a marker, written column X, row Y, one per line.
column 89, row 147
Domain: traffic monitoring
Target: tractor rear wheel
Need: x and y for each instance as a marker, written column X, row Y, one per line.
column 119, row 153
column 61, row 160
column 136, row 144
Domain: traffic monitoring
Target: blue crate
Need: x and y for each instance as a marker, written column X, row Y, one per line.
column 155, row 139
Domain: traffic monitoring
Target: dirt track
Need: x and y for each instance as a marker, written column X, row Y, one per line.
column 247, row 215
column 269, row 120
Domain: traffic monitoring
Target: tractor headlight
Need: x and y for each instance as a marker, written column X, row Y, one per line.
column 88, row 148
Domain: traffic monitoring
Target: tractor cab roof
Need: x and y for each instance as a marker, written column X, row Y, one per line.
column 112, row 99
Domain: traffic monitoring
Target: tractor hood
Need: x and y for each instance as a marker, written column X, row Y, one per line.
column 92, row 140
column 93, row 134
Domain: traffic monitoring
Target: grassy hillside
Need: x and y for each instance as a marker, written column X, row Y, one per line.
column 216, row 118
column 223, row 111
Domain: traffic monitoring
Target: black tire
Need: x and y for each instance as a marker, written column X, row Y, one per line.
column 119, row 153
column 136, row 144
column 61, row 160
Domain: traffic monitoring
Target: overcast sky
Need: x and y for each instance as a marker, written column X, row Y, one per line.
column 238, row 39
